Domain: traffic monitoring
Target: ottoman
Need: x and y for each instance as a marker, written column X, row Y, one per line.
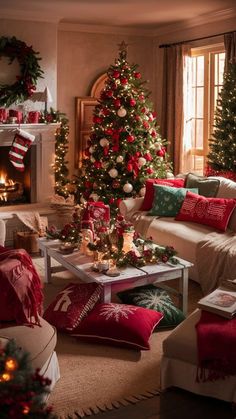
column 39, row 342
column 179, row 364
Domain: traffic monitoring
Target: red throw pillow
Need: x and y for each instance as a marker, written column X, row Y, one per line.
column 149, row 194
column 72, row 304
column 214, row 212
column 119, row 324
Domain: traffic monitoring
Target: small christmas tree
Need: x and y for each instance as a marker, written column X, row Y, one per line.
column 125, row 147
column 22, row 390
column 222, row 155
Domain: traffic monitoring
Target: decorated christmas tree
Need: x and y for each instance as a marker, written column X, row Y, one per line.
column 22, row 391
column 125, row 147
column 222, row 155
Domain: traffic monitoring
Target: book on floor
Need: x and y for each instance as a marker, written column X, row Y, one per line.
column 221, row 301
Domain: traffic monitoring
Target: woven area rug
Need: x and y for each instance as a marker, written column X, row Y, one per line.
column 96, row 377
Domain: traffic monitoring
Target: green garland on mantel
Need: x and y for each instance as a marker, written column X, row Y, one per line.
column 30, row 71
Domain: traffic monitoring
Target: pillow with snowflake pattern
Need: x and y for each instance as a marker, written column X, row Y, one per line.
column 154, row 298
column 119, row 325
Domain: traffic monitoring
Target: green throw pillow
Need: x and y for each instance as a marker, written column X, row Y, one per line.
column 156, row 299
column 168, row 200
column 207, row 187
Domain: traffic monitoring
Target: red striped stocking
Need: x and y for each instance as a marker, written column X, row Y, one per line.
column 21, row 143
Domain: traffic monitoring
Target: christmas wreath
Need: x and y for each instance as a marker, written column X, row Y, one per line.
column 30, row 71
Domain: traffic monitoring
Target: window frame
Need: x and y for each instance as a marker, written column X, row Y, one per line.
column 208, row 52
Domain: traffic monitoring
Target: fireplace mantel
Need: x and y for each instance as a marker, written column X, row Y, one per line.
column 45, row 154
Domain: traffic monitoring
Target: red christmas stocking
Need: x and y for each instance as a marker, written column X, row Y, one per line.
column 21, row 143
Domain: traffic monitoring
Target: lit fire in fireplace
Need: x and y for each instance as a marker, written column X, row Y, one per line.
column 9, row 189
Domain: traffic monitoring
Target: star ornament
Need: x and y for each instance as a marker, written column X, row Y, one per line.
column 123, row 49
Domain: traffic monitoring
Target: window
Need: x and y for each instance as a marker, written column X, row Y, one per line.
column 203, row 80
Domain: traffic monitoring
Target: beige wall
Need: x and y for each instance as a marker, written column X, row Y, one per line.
column 83, row 56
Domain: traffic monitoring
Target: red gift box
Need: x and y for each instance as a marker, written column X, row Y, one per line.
column 98, row 211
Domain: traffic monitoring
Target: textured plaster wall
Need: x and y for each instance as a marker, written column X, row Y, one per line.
column 43, row 38
column 82, row 57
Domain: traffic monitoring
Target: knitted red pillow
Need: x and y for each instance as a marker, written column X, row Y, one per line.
column 72, row 304
column 119, row 324
column 214, row 212
column 149, row 194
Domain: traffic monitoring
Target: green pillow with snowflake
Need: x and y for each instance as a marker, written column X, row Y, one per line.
column 154, row 298
column 168, row 200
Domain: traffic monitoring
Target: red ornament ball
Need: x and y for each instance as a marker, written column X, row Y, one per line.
column 124, row 81
column 132, row 102
column 130, row 138
column 116, row 74
column 117, row 103
column 137, row 75
column 109, row 93
column 109, row 131
column 161, row 152
column 150, row 170
column 111, row 201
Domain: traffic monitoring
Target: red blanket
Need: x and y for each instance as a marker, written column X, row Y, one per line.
column 20, row 287
column 216, row 343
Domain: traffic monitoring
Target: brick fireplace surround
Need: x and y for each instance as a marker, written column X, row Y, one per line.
column 43, row 183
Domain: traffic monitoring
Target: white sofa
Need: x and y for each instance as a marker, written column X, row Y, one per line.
column 184, row 236
column 38, row 341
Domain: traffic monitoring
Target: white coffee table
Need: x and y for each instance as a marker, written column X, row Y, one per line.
column 130, row 277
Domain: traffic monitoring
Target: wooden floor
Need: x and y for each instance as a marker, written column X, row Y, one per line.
column 173, row 404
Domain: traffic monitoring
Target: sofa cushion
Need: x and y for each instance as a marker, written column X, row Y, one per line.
column 119, row 325
column 149, row 194
column 183, row 236
column 39, row 341
column 168, row 200
column 214, row 212
column 72, row 304
column 206, row 186
column 227, row 189
column 154, row 298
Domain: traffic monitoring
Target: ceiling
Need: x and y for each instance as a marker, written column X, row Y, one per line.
column 145, row 14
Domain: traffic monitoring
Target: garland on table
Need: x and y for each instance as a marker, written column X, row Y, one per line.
column 22, row 390
column 30, row 71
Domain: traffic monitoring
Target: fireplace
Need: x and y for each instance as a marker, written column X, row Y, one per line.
column 17, row 187
column 36, row 182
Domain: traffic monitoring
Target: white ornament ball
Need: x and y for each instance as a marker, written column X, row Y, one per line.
column 91, row 150
column 169, row 175
column 113, row 173
column 141, row 161
column 121, row 112
column 104, row 142
column 94, row 196
column 157, row 146
column 142, row 191
column 92, row 159
column 120, row 159
column 127, row 188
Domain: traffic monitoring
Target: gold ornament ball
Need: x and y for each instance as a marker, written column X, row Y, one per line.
column 122, row 112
